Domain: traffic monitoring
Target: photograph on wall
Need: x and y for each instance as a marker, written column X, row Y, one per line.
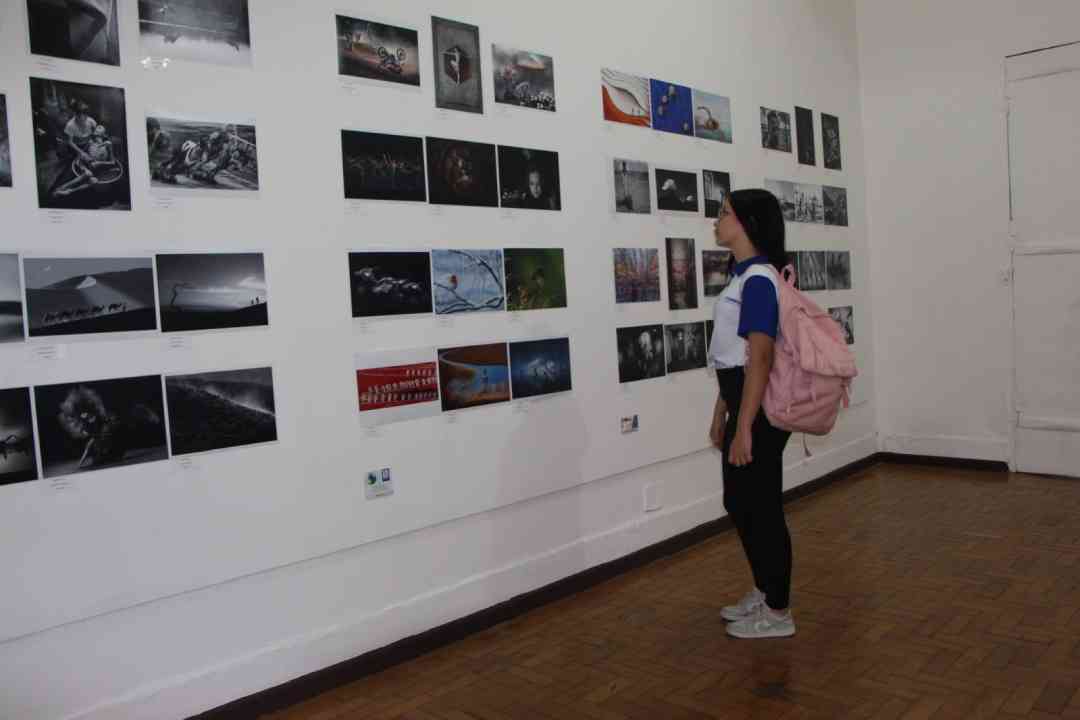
column 641, row 352
column 86, row 426
column 18, row 454
column 716, row 185
column 467, row 281
column 672, row 107
column 218, row 410
column 390, row 283
column 845, row 318
column 212, row 291
column 397, row 385
column 529, row 179
column 712, row 117
column 473, row 375
column 709, row 327
column 775, row 130
column 456, row 52
column 210, row 31
column 637, row 275
column 716, row 267
column 77, row 296
column 461, row 173
column 201, row 154
column 540, row 367
column 785, row 195
column 5, row 145
column 681, row 274
column 676, row 191
column 80, row 145
column 830, row 141
column 523, row 78
column 86, row 30
column 808, row 204
column 838, row 266
column 685, row 346
column 377, row 166
column 535, row 278
column 804, row 134
column 812, row 271
column 375, row 51
column 626, row 98
column 632, row 187
column 835, row 201
column 11, row 299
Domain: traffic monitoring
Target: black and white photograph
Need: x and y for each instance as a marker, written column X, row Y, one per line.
column 201, row 154
column 92, row 295
column 86, row 30
column 804, row 134
column 209, row 31
column 716, row 267
column 685, row 346
column 80, row 145
column 375, row 51
column 390, row 283
column 529, row 179
column 641, row 352
column 838, row 265
column 775, row 130
column 676, row 191
column 845, row 318
column 523, row 78
column 716, row 185
column 456, row 54
column 212, row 291
column 830, row 141
column 87, row 426
column 631, row 178
column 785, row 195
column 681, row 274
column 808, row 205
column 812, row 272
column 461, row 173
column 11, row 299
column 468, row 281
column 18, row 454
column 5, row 145
column 377, row 166
column 540, row 367
column 835, row 201
column 218, row 410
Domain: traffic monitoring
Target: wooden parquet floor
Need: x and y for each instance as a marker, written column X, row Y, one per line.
column 919, row 593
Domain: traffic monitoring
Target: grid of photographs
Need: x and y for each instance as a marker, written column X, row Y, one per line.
column 374, row 51
column 523, row 78
column 808, row 203
column 645, row 352
column 207, row 31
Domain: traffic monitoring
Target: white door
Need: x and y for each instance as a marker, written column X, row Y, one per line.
column 1043, row 89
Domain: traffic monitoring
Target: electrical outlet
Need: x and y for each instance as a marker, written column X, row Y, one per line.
column 651, row 497
column 378, row 483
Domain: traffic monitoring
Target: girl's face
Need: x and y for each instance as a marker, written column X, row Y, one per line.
column 726, row 227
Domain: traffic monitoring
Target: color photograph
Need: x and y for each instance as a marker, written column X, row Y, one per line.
column 375, row 51
column 672, row 107
column 101, row 424
column 631, row 178
column 716, row 267
column 212, row 291
column 535, row 278
column 804, row 133
column 830, row 141
column 540, row 367
column 681, row 274
column 218, row 410
column 461, row 173
column 712, row 117
column 5, row 145
column 11, row 300
column 77, row 296
column 383, row 167
column 685, row 345
column 456, row 54
column 529, row 179
column 390, row 283
column 397, row 385
column 813, row 275
column 210, row 31
column 80, row 145
column 838, row 267
column 835, row 201
column 641, row 352
column 18, row 455
column 637, row 275
column 845, row 318
column 467, row 281
column 199, row 154
column 676, row 191
column 474, row 375
column 84, row 30
column 523, row 78
column 626, row 98
column 775, row 130
column 717, row 185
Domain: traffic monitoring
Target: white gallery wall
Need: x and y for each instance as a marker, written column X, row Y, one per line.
column 163, row 589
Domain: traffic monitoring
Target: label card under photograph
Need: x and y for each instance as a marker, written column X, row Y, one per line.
column 49, row 353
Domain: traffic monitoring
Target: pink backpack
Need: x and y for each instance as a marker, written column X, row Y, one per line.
column 812, row 365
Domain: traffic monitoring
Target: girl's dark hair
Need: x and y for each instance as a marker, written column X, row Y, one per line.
column 760, row 215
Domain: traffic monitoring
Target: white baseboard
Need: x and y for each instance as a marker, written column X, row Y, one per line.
column 948, row 446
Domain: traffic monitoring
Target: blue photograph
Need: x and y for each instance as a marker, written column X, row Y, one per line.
column 672, row 107
column 540, row 367
column 467, row 281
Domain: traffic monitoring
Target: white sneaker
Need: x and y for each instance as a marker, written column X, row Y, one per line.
column 745, row 607
column 765, row 623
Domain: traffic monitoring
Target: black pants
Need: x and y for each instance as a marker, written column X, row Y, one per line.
column 753, row 496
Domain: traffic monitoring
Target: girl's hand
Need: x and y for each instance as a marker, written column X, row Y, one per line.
column 741, row 451
column 716, row 434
